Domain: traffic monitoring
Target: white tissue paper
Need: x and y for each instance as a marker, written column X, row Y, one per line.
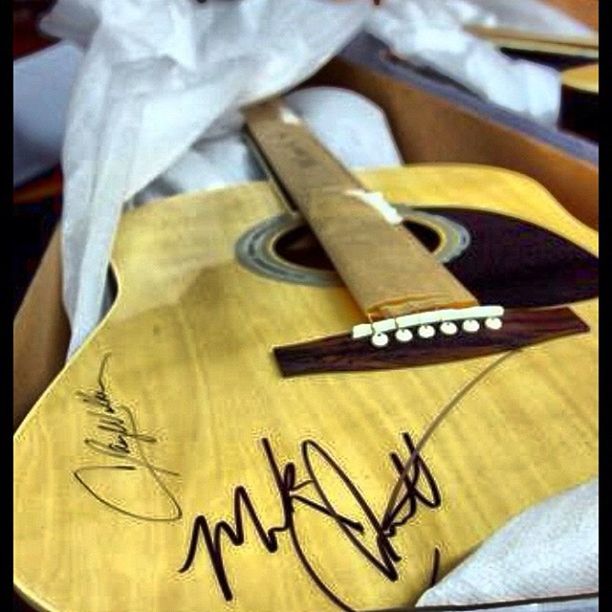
column 352, row 127
column 156, row 76
column 431, row 34
column 549, row 550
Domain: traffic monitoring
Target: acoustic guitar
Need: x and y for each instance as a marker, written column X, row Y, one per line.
column 580, row 100
column 555, row 50
column 256, row 425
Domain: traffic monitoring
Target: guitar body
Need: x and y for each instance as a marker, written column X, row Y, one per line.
column 171, row 467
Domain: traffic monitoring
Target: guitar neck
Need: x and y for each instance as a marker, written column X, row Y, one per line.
column 294, row 159
column 384, row 266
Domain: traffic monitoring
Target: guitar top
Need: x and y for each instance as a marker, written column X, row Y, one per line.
column 171, row 466
column 582, row 78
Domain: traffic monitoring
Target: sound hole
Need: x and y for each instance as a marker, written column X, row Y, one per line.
column 300, row 246
column 427, row 236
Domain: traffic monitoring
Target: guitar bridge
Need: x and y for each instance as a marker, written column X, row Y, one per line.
column 498, row 331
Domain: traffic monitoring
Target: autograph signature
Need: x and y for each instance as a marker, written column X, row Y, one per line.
column 371, row 536
column 414, row 485
column 124, row 442
column 419, row 488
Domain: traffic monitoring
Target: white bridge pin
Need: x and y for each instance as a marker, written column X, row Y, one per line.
column 379, row 340
column 403, row 335
column 446, row 321
column 493, row 323
column 426, row 331
column 448, row 328
column 471, row 326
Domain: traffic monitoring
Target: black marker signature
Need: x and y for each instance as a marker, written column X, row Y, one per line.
column 404, row 499
column 419, row 488
column 124, row 442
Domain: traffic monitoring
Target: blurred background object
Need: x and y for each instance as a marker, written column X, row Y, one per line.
column 580, row 100
column 26, row 36
column 37, row 204
column 586, row 11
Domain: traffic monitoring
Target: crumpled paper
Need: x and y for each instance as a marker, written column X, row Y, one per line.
column 549, row 550
column 352, row 127
column 431, row 34
column 156, row 76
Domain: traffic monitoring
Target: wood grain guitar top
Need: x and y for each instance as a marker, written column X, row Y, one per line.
column 171, row 467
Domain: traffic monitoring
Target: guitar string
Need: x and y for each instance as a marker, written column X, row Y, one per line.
column 442, row 414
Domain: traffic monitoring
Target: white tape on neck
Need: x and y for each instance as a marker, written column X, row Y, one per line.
column 288, row 116
column 376, row 200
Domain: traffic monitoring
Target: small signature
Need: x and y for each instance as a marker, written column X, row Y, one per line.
column 118, row 437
